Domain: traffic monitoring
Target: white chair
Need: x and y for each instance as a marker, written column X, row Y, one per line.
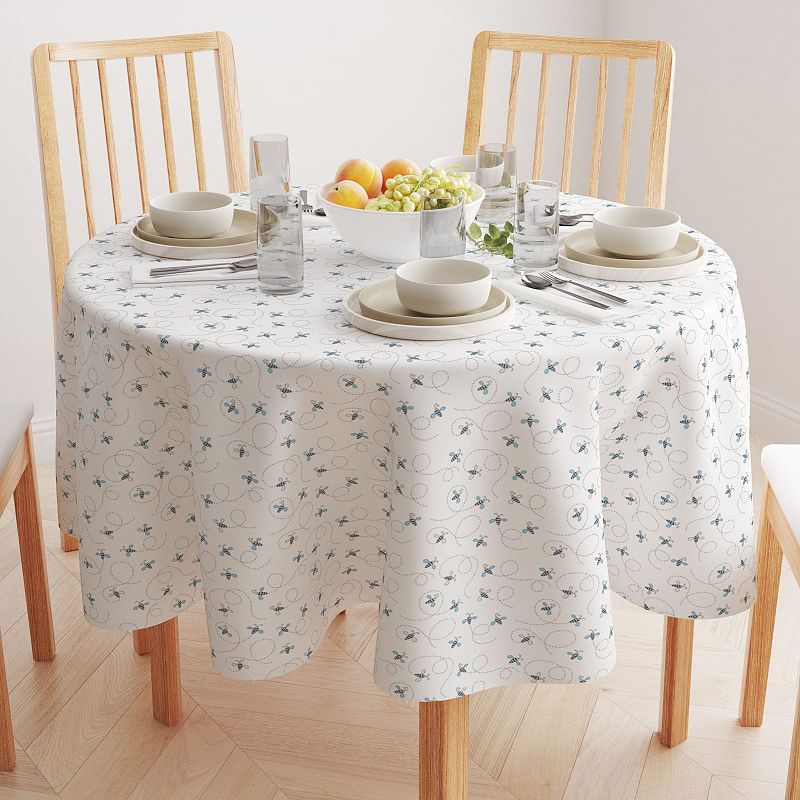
column 777, row 537
column 18, row 477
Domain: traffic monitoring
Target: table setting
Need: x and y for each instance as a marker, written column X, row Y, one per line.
column 478, row 402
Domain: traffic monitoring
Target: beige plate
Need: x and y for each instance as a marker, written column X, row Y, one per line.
column 243, row 229
column 426, row 333
column 380, row 301
column 640, row 272
column 191, row 253
column 581, row 246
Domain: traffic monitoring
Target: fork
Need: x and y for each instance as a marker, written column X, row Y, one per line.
column 307, row 208
column 558, row 280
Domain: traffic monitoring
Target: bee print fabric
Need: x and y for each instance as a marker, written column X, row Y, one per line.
column 262, row 456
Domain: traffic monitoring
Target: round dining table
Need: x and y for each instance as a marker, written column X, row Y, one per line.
column 261, row 455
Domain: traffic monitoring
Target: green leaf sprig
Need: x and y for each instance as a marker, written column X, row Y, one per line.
column 495, row 240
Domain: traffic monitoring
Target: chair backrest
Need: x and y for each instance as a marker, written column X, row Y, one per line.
column 576, row 49
column 129, row 50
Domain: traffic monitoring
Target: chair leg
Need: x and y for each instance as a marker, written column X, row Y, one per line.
column 34, row 566
column 444, row 749
column 69, row 543
column 793, row 776
column 8, row 756
column 165, row 672
column 141, row 641
column 762, row 624
column 676, row 680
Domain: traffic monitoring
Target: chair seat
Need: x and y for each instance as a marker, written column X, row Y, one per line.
column 15, row 416
column 781, row 463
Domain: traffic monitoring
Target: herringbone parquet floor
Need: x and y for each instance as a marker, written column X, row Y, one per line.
column 324, row 732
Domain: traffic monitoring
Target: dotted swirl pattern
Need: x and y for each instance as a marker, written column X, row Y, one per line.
column 488, row 493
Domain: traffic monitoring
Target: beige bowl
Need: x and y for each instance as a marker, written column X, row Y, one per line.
column 636, row 231
column 191, row 215
column 443, row 287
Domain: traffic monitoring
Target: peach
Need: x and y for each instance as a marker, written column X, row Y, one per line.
column 398, row 166
column 348, row 193
column 363, row 172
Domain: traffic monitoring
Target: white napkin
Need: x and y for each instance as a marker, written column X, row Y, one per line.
column 140, row 274
column 557, row 301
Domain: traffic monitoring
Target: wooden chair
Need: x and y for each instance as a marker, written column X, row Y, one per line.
column 161, row 639
column 444, row 725
column 578, row 49
column 18, row 477
column 777, row 537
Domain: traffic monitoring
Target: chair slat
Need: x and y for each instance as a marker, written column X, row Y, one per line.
column 569, row 127
column 166, row 123
column 512, row 97
column 541, row 114
column 576, row 49
column 80, row 131
column 627, row 125
column 111, row 151
column 197, row 132
column 599, row 119
column 133, row 92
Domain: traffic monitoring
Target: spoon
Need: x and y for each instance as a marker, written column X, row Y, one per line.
column 242, row 265
column 567, row 220
column 538, row 282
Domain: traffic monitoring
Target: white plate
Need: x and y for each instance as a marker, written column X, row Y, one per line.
column 189, row 253
column 379, row 301
column 636, row 274
column 428, row 333
column 581, row 246
column 243, row 229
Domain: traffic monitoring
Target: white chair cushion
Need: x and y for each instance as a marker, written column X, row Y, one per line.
column 15, row 415
column 781, row 463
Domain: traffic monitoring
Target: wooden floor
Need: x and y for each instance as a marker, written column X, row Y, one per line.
column 83, row 725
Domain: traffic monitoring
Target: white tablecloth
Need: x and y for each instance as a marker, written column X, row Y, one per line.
column 488, row 493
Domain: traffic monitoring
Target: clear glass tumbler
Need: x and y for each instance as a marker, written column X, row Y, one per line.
column 269, row 166
column 535, row 226
column 442, row 232
column 496, row 174
column 280, row 244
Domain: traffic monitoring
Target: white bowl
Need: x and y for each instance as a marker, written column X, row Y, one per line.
column 636, row 231
column 443, row 287
column 191, row 215
column 458, row 163
column 384, row 235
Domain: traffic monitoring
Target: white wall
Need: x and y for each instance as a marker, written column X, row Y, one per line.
column 734, row 167
column 340, row 78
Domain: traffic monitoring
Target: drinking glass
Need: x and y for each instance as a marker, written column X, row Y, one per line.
column 442, row 232
column 535, row 226
column 280, row 243
column 496, row 173
column 269, row 166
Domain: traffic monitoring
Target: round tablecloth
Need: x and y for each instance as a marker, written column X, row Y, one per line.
column 489, row 493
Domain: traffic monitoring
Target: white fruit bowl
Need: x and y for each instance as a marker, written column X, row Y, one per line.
column 385, row 235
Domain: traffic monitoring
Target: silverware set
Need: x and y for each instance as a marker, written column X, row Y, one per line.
column 240, row 265
column 548, row 280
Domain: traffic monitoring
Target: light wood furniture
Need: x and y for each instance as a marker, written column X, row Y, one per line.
column 18, row 477
column 579, row 50
column 678, row 633
column 777, row 538
column 444, row 749
column 166, row 688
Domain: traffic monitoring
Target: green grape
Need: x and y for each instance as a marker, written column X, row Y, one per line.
column 432, row 188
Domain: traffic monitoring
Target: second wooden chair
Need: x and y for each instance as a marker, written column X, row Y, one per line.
column 161, row 640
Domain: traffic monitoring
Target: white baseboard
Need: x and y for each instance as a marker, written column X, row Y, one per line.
column 774, row 420
column 44, row 440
